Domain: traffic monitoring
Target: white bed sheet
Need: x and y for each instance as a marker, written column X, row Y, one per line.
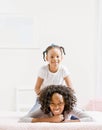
column 9, row 121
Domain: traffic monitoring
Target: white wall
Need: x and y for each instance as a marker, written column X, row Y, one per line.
column 71, row 23
column 99, row 51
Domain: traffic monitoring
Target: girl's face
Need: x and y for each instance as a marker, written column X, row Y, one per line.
column 57, row 104
column 54, row 58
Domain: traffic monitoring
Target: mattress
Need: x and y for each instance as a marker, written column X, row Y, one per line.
column 9, row 121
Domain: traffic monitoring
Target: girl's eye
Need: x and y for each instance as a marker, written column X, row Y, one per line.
column 51, row 56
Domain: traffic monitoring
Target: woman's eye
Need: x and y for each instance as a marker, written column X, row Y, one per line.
column 52, row 104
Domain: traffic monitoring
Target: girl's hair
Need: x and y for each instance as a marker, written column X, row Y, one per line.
column 66, row 92
column 53, row 46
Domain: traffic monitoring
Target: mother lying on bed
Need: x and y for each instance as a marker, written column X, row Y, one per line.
column 58, row 103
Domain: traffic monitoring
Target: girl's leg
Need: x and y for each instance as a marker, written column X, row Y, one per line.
column 35, row 106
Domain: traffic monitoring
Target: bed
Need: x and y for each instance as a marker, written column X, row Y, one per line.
column 9, row 121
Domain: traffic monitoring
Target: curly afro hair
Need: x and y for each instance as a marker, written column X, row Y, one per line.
column 66, row 92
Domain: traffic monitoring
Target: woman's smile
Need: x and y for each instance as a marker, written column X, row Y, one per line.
column 57, row 104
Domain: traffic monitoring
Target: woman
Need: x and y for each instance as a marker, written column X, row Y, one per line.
column 57, row 105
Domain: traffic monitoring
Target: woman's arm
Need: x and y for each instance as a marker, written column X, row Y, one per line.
column 39, row 116
column 53, row 119
column 71, row 121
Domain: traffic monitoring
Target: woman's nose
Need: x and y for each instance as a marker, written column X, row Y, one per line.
column 56, row 106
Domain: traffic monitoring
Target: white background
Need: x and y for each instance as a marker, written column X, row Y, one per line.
column 70, row 23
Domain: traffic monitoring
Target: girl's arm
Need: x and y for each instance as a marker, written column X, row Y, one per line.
column 38, row 85
column 68, row 82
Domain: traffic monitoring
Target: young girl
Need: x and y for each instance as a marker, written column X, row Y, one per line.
column 53, row 72
column 58, row 103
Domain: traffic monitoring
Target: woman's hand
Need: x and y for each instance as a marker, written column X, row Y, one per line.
column 57, row 118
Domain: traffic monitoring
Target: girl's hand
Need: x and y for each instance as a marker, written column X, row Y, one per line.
column 38, row 85
column 37, row 91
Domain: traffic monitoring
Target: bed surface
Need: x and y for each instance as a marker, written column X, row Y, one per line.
column 50, row 126
column 9, row 121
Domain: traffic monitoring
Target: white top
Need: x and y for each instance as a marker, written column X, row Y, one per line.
column 50, row 78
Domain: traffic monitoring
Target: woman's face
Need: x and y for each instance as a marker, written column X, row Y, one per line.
column 57, row 104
